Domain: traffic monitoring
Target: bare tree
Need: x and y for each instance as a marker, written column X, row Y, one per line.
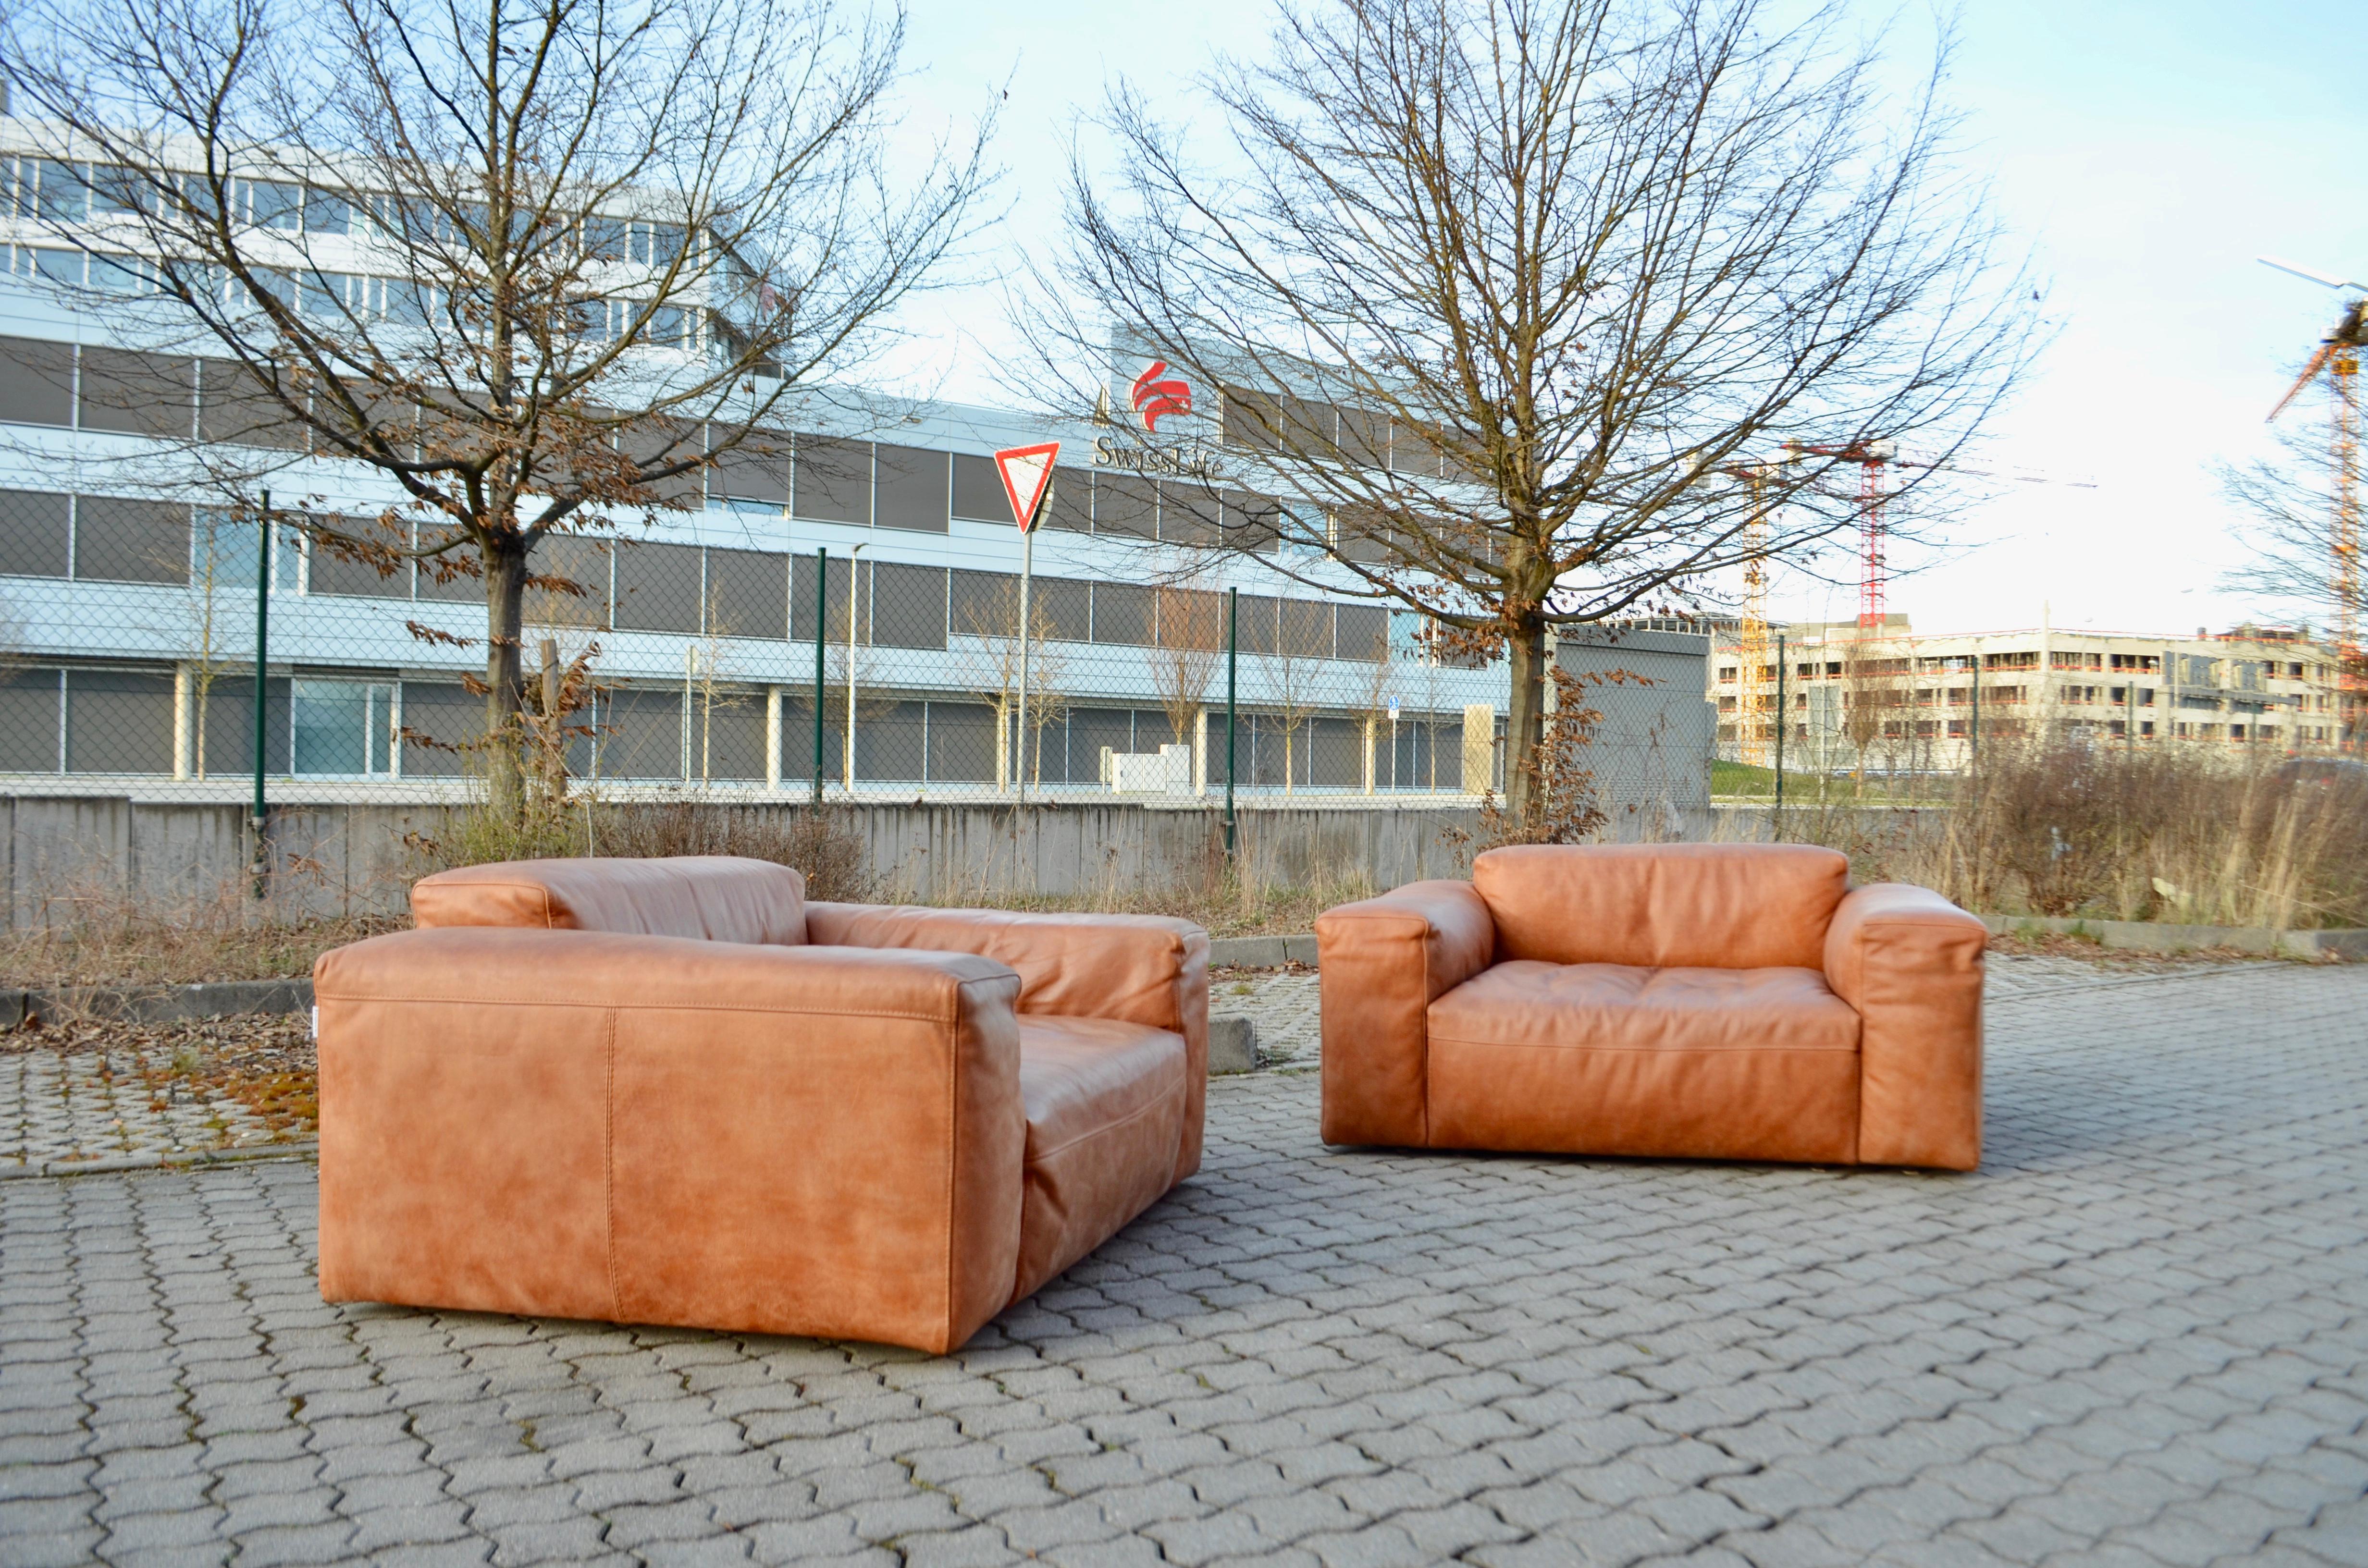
column 991, row 666
column 538, row 265
column 1190, row 648
column 1515, row 294
column 1294, row 678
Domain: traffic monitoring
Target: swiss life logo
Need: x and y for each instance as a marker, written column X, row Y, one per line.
column 1159, row 394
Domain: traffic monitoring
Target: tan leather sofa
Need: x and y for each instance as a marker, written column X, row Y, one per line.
column 1716, row 1001
column 675, row 1092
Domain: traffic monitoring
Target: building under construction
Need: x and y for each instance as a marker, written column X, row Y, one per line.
column 1885, row 697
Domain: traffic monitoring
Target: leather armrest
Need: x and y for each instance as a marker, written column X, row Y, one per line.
column 790, row 1140
column 1381, row 964
column 1910, row 962
column 1139, row 969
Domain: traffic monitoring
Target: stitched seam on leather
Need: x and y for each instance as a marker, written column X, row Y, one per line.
column 1422, row 942
column 953, row 1153
column 608, row 1169
column 938, row 1017
column 1649, row 1050
column 1107, row 1127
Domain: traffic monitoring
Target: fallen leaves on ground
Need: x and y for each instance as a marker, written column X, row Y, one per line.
column 261, row 1061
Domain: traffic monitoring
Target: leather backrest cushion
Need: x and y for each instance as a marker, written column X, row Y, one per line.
column 1663, row 905
column 719, row 898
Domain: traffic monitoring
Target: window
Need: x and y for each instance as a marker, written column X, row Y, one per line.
column 271, row 204
column 222, row 552
column 118, row 541
column 37, row 381
column 32, row 705
column 575, row 559
column 656, row 244
column 657, row 588
column 51, row 192
column 1362, row 631
column 139, row 394
column 978, row 490
column 119, row 722
column 910, row 488
column 1190, row 514
column 753, row 475
column 1069, row 505
column 1122, row 614
column 35, row 529
column 834, row 480
column 328, row 212
column 122, row 275
column 341, row 728
column 748, row 594
column 1124, row 507
column 909, row 607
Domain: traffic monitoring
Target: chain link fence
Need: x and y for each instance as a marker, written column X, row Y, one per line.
column 129, row 628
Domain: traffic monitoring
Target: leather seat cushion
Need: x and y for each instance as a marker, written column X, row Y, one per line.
column 1605, row 1058
column 1105, row 1107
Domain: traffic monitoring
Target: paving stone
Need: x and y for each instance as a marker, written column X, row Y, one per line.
column 2138, row 1335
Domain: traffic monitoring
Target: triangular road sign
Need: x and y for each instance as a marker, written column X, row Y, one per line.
column 1027, row 474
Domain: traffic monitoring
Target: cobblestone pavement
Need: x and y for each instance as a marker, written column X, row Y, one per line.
column 2138, row 1335
column 89, row 1105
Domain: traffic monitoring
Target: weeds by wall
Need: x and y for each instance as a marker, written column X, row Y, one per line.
column 2062, row 828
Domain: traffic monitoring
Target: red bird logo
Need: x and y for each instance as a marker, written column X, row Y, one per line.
column 1155, row 398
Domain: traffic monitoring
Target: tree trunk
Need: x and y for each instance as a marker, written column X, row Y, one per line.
column 506, row 572
column 1525, row 727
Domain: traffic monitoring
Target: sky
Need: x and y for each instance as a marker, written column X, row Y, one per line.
column 2144, row 154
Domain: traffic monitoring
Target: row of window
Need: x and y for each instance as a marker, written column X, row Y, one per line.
column 823, row 478
column 357, row 299
column 80, row 719
column 604, row 585
column 49, row 190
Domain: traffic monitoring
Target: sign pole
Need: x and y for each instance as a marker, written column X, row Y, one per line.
column 1026, row 475
column 1027, row 571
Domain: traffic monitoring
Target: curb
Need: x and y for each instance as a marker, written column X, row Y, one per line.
column 1261, row 953
column 2153, row 937
column 308, row 1149
column 157, row 1003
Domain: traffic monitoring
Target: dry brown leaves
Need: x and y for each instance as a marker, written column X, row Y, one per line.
column 263, row 1061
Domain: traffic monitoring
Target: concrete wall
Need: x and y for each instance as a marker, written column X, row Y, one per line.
column 66, row 854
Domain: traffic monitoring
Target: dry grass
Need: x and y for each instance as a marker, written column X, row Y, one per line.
column 819, row 844
column 2065, row 829
column 114, row 940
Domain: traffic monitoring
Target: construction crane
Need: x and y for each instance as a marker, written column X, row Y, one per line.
column 1754, row 673
column 2339, row 360
column 1872, row 458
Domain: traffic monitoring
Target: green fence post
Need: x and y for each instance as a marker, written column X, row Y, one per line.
column 1233, row 672
column 262, row 705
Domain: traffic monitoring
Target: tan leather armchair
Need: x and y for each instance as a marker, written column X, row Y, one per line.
column 1717, row 1001
column 674, row 1092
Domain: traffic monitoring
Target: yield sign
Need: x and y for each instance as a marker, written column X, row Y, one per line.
column 1027, row 474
